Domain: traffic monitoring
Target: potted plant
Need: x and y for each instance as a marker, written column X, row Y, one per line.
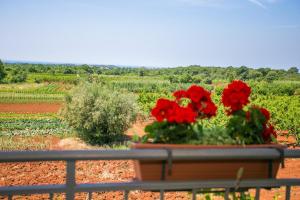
column 179, row 125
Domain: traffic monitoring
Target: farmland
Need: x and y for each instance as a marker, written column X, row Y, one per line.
column 30, row 102
column 31, row 106
column 30, row 116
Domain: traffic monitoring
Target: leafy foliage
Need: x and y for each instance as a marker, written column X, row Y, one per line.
column 11, row 97
column 188, row 74
column 15, row 125
column 99, row 115
column 170, row 133
column 2, row 72
column 16, row 76
column 281, row 95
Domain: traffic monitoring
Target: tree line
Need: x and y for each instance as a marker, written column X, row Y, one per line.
column 17, row 72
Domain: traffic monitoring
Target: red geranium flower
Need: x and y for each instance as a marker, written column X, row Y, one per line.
column 248, row 116
column 164, row 109
column 180, row 94
column 200, row 105
column 172, row 112
column 236, row 96
column 185, row 115
column 266, row 113
column 268, row 131
column 263, row 111
column 210, row 109
column 198, row 94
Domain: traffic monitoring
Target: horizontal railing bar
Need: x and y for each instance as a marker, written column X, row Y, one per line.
column 153, row 154
column 179, row 185
column 25, row 156
column 150, row 186
column 292, row 153
column 33, row 189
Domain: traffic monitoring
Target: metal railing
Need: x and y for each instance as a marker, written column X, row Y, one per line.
column 71, row 187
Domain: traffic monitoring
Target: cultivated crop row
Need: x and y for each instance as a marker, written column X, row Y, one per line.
column 11, row 97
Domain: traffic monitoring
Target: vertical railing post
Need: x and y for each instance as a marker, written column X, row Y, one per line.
column 51, row 195
column 162, row 195
column 90, row 195
column 288, row 192
column 71, row 180
column 126, row 194
column 194, row 194
column 226, row 195
column 257, row 193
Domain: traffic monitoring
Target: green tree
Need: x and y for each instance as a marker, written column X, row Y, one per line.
column 271, row 76
column 253, row 74
column 242, row 72
column 16, row 76
column 173, row 79
column 293, row 70
column 100, row 115
column 264, row 71
column 69, row 71
column 142, row 73
column 208, row 81
column 87, row 68
column 2, row 71
column 186, row 78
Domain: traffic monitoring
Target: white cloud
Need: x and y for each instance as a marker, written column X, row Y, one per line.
column 271, row 1
column 219, row 3
column 258, row 3
column 262, row 3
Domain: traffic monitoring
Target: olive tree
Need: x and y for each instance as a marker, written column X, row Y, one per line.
column 99, row 115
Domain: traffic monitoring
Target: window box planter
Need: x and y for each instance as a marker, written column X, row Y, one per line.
column 204, row 170
column 179, row 121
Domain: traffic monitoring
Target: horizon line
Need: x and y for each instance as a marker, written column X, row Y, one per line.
column 12, row 61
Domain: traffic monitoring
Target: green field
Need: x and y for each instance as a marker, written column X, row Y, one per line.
column 281, row 96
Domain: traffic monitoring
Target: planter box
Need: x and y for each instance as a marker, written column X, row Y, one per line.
column 204, row 170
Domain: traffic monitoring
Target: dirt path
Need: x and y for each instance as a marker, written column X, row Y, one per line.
column 138, row 127
column 30, row 107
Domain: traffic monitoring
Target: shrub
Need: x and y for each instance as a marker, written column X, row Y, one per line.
column 208, row 81
column 99, row 115
column 16, row 76
column 297, row 91
column 2, row 71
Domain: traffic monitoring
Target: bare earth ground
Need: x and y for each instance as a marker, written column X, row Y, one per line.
column 30, row 107
column 35, row 173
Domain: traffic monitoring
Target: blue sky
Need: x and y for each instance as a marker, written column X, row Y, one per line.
column 161, row 33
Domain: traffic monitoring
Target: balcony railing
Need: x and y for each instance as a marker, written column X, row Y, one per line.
column 71, row 187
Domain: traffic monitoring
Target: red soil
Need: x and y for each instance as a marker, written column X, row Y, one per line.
column 30, row 107
column 109, row 171
column 34, row 173
column 138, row 127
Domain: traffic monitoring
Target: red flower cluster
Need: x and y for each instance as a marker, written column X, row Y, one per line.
column 268, row 128
column 263, row 111
column 164, row 109
column 268, row 131
column 266, row 113
column 180, row 94
column 236, row 96
column 201, row 102
column 200, row 105
column 172, row 112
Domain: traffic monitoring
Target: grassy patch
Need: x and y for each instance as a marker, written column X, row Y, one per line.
column 8, row 143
